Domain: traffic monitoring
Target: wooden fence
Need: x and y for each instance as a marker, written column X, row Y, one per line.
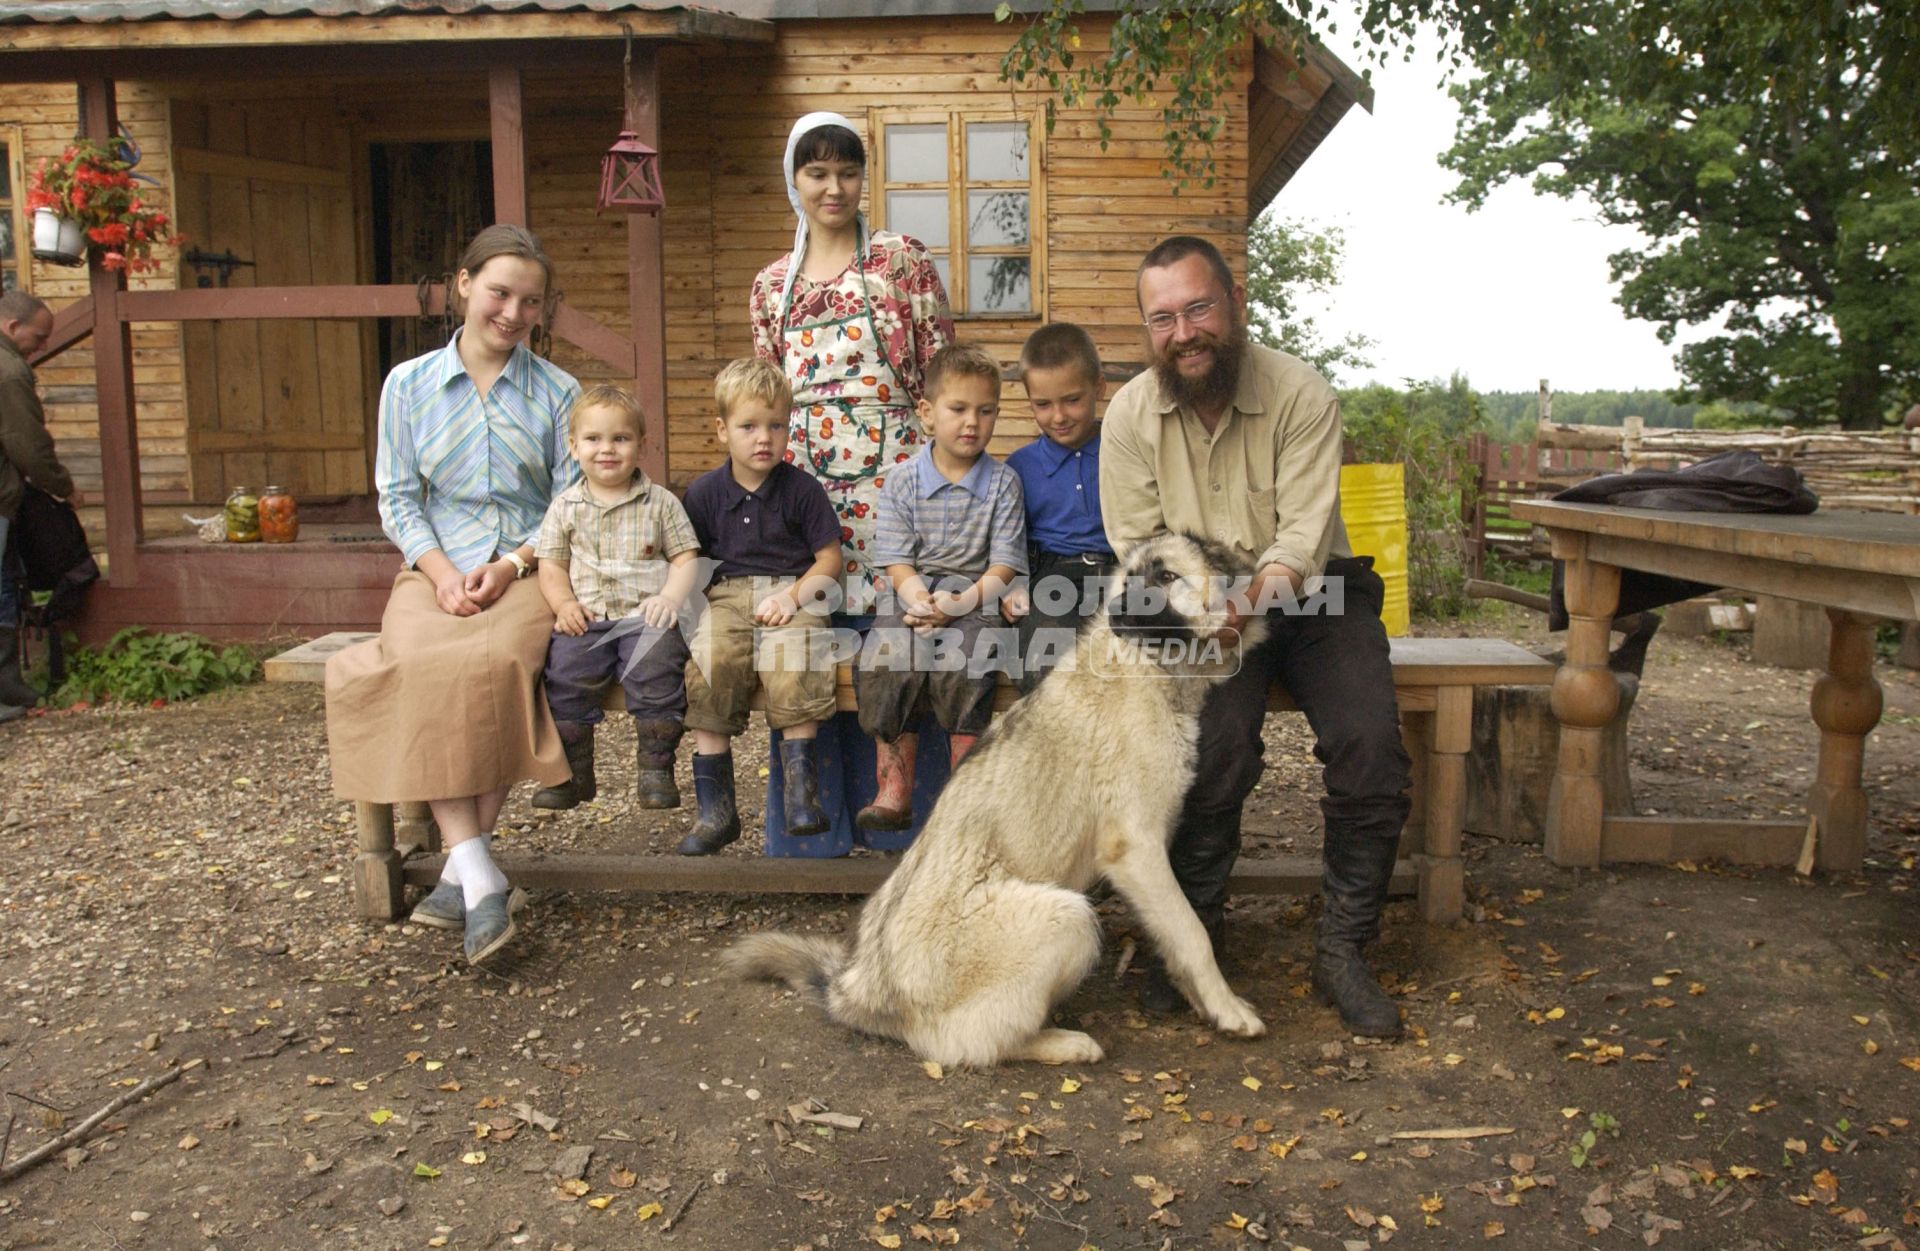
column 1848, row 470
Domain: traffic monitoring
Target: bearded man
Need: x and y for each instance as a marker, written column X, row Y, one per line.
column 1240, row 444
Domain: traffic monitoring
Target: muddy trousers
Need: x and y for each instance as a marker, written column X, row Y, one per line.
column 1334, row 663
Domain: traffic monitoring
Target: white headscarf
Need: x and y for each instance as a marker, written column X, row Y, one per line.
column 810, row 122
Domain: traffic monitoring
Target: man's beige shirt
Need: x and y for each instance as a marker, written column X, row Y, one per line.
column 1265, row 482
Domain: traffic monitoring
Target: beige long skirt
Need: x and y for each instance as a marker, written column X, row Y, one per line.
column 442, row 707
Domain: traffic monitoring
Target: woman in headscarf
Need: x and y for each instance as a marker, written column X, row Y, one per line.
column 852, row 316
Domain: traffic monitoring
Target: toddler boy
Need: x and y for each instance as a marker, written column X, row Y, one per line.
column 775, row 543
column 1060, row 481
column 617, row 560
column 951, row 536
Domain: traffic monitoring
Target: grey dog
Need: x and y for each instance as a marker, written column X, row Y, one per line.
column 985, row 925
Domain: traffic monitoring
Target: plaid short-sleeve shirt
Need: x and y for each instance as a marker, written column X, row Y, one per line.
column 616, row 553
column 951, row 530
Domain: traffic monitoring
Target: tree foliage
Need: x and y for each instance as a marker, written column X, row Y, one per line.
column 1288, row 259
column 1771, row 204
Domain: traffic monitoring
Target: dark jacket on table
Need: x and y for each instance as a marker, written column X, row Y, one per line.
column 26, row 449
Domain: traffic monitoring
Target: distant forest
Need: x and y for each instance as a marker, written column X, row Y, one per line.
column 1513, row 415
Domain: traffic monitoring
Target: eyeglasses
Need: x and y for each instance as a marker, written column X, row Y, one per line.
column 1193, row 314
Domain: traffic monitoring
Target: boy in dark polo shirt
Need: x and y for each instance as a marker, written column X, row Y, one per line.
column 1060, row 480
column 775, row 544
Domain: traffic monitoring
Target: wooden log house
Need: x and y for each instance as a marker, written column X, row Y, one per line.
column 328, row 158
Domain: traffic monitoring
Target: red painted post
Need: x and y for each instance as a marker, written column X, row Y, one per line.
column 509, row 145
column 113, row 374
column 646, row 272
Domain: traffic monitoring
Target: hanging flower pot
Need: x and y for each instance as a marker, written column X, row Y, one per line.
column 61, row 240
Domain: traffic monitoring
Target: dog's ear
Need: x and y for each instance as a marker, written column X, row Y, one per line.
column 1139, row 606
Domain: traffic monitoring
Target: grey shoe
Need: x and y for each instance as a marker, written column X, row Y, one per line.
column 445, row 907
column 489, row 927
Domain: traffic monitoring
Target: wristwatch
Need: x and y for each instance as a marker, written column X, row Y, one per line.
column 520, row 566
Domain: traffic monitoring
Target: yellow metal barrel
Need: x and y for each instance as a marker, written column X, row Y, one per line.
column 1373, row 504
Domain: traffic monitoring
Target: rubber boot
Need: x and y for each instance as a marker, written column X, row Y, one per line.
column 958, row 745
column 13, row 688
column 1357, row 870
column 11, row 712
column 719, row 820
column 801, row 794
column 1158, row 995
column 577, row 738
column 892, row 808
column 654, row 744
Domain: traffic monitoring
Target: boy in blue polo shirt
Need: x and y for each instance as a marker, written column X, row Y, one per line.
column 775, row 544
column 1060, row 479
column 951, row 535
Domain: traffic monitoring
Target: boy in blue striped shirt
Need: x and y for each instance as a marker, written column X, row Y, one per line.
column 952, row 536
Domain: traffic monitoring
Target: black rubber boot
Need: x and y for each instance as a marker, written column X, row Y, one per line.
column 654, row 744
column 719, row 821
column 802, row 788
column 577, row 738
column 13, row 688
column 1158, row 994
column 1357, row 870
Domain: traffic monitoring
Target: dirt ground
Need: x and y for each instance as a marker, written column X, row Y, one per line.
column 1743, row 1046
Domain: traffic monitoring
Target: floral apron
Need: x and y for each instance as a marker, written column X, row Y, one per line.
column 851, row 420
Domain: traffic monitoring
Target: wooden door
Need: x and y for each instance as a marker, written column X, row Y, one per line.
column 284, row 402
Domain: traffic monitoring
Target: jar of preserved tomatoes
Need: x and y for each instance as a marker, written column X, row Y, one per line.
column 243, row 516
column 279, row 516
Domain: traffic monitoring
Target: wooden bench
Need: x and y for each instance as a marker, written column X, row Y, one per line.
column 1434, row 680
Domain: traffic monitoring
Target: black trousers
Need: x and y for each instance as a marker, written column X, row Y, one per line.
column 1335, row 666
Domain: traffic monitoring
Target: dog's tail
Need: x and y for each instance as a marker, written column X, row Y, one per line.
column 803, row 962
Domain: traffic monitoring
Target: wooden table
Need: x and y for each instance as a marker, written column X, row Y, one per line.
column 1858, row 566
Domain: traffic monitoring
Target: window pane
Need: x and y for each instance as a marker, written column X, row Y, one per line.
column 6, row 175
column 997, row 151
column 916, row 154
column 6, row 236
column 942, row 264
column 997, row 219
column 8, row 280
column 922, row 214
column 999, row 284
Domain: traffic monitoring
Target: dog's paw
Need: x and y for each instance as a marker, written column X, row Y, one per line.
column 1237, row 1017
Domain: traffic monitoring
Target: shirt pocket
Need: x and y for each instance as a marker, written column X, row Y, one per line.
column 1253, row 510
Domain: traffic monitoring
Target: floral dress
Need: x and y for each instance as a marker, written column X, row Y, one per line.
column 855, row 350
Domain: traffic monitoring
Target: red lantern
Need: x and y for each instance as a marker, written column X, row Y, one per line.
column 630, row 176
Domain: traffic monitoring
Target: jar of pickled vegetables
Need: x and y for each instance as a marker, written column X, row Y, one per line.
column 243, row 516
column 279, row 516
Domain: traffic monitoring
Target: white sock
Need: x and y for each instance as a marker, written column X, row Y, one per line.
column 476, row 872
column 449, row 875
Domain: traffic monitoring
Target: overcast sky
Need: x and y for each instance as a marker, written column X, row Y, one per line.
column 1510, row 294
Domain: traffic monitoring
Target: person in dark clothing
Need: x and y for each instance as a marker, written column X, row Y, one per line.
column 27, row 456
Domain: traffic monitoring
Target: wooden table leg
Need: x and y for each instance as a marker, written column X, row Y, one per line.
column 414, row 831
column 1846, row 706
column 1585, row 695
column 1442, row 875
column 376, row 866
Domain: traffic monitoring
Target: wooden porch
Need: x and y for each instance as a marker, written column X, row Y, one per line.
column 337, row 575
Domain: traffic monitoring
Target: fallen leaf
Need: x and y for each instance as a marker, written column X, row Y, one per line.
column 474, row 1157
column 380, row 1116
column 425, row 1170
column 1361, row 1217
column 1250, row 1082
column 647, row 1211
column 1068, row 1086
column 1493, row 1229
column 932, row 1069
column 1826, row 1187
column 1434, row 1202
column 189, row 1143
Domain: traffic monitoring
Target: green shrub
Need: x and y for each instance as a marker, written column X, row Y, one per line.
column 1427, row 427
column 137, row 667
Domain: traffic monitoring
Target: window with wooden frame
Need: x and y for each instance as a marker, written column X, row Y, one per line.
column 16, row 264
column 967, row 183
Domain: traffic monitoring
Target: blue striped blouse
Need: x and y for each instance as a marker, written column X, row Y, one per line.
column 470, row 475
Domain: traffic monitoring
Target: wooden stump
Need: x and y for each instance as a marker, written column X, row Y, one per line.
column 1516, row 745
column 1789, row 634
